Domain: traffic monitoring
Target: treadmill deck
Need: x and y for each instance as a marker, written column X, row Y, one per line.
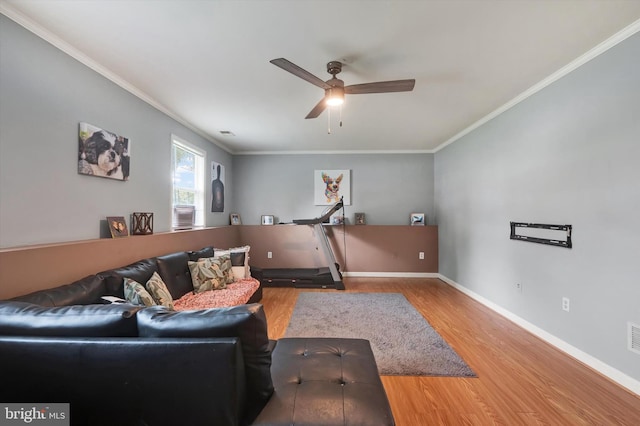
column 297, row 277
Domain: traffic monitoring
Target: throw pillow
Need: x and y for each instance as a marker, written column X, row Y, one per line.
column 239, row 260
column 135, row 293
column 206, row 274
column 226, row 267
column 159, row 291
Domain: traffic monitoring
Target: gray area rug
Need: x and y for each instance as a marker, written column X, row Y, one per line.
column 403, row 342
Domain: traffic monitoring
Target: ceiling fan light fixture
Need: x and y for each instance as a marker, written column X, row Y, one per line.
column 335, row 96
column 334, row 88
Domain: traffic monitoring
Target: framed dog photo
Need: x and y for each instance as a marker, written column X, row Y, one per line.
column 337, row 220
column 103, row 153
column 331, row 185
column 417, row 219
column 117, row 226
column 234, row 219
column 360, row 219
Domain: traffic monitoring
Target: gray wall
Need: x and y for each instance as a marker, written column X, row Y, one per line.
column 568, row 155
column 387, row 188
column 45, row 94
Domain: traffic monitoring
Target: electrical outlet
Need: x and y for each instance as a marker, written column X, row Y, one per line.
column 421, row 255
column 269, row 255
column 519, row 287
column 565, row 304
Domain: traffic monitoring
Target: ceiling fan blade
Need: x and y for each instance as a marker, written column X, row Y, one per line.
column 299, row 72
column 317, row 110
column 381, row 87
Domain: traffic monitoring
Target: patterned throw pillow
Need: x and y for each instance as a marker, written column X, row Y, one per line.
column 227, row 270
column 239, row 260
column 206, row 274
column 159, row 291
column 135, row 293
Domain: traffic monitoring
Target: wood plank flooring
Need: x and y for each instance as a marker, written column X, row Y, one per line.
column 521, row 380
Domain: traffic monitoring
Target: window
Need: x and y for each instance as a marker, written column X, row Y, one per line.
column 187, row 169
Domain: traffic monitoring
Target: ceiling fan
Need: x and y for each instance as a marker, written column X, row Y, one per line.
column 334, row 88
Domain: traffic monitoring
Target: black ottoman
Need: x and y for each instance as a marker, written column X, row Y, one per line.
column 325, row 381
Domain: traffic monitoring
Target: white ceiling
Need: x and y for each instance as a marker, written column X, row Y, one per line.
column 206, row 63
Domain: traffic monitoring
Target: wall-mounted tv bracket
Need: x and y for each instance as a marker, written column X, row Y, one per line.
column 553, row 235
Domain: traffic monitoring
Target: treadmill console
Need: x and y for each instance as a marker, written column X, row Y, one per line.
column 324, row 218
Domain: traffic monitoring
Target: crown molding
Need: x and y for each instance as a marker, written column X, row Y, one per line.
column 49, row 37
column 329, row 152
column 620, row 36
column 84, row 59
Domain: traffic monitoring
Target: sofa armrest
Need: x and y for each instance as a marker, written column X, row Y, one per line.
column 164, row 381
column 27, row 319
column 86, row 291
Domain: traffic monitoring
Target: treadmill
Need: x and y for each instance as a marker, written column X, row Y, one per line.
column 327, row 277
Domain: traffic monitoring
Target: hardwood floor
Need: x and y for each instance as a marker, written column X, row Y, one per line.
column 521, row 380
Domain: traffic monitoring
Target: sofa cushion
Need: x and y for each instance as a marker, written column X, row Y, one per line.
column 199, row 254
column 135, row 293
column 158, row 290
column 175, row 273
column 124, row 381
column 248, row 322
column 139, row 271
column 26, row 319
column 86, row 291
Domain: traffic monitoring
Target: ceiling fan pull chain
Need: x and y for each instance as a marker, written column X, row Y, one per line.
column 329, row 120
column 340, row 115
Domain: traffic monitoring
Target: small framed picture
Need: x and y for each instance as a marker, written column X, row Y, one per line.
column 117, row 226
column 234, row 219
column 417, row 219
column 360, row 219
column 267, row 219
column 337, row 220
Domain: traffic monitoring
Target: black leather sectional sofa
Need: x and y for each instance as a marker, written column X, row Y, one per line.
column 121, row 364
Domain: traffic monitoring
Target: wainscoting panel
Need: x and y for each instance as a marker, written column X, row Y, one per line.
column 27, row 269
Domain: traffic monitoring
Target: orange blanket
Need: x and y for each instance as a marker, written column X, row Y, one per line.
column 234, row 294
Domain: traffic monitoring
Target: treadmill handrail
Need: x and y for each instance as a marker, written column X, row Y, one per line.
column 337, row 206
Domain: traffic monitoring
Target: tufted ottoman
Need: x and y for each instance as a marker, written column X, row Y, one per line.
column 325, row 381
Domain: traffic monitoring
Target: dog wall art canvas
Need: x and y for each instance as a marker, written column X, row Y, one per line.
column 103, row 153
column 330, row 185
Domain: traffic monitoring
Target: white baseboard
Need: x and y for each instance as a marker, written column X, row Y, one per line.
column 617, row 376
column 392, row 274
